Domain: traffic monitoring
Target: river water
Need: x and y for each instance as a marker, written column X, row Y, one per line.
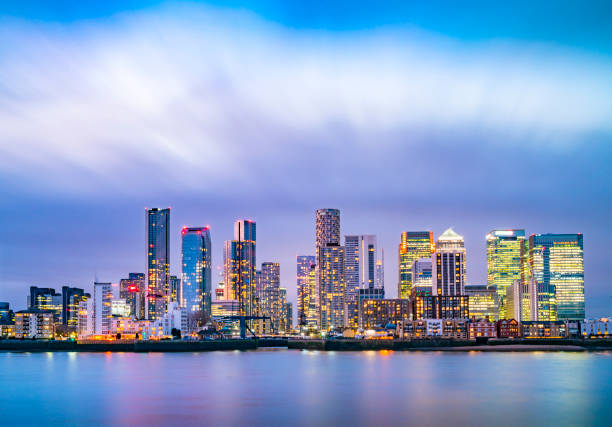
column 275, row 387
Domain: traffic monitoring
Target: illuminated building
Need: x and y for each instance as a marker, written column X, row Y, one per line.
column 596, row 328
column 132, row 290
column 435, row 328
column 196, row 280
column 380, row 271
column 313, row 314
column 413, row 245
column 439, row 306
column 142, row 329
column 482, row 328
column 34, row 323
column 158, row 262
column 284, row 329
column 422, row 275
column 240, row 266
column 544, row 329
column 225, row 308
column 120, row 307
column 6, row 314
column 331, row 280
column 505, row 257
column 71, row 297
column 288, row 317
column 46, row 299
column 522, row 301
column 359, row 269
column 176, row 290
column 271, row 304
column 448, row 265
column 508, row 328
column 102, row 308
column 556, row 263
column 304, row 265
column 380, row 312
column 85, row 325
column 483, row 302
column 7, row 330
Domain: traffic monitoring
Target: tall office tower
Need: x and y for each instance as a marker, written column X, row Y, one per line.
column 556, row 263
column 132, row 290
column 304, row 263
column 289, row 313
column 46, row 299
column 483, row 302
column 448, row 261
column 521, row 301
column 380, row 270
column 196, row 279
column 330, row 269
column 311, row 307
column 158, row 262
column 271, row 294
column 239, row 262
column 505, row 257
column 283, row 310
column 413, row 245
column 422, row 276
column 176, row 289
column 71, row 297
column 359, row 270
column 102, row 308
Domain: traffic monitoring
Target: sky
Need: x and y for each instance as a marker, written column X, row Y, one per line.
column 405, row 116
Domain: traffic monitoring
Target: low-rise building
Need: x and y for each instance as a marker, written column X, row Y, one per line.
column 7, row 330
column 544, row 329
column 34, row 323
column 439, row 306
column 508, row 328
column 434, row 328
column 482, row 328
column 381, row 312
column 596, row 328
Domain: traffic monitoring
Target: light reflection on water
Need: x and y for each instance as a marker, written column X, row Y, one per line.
column 283, row 387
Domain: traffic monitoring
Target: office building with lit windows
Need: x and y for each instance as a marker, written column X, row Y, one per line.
column 102, row 308
column 413, row 245
column 556, row 263
column 304, row 266
column 271, row 303
column 448, row 264
column 196, row 278
column 483, row 302
column 132, row 290
column 46, row 299
column 439, row 307
column 381, row 312
column 360, row 272
column 71, row 298
column 506, row 254
column 158, row 262
column 422, row 275
column 522, row 301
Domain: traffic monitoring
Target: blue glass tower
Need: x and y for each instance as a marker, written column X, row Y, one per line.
column 196, row 280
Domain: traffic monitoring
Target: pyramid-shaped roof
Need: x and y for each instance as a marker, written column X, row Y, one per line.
column 450, row 234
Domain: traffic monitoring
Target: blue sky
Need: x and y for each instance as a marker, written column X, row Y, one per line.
column 405, row 116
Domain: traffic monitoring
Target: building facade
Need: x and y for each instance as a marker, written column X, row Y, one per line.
column 46, row 299
column 440, row 307
column 413, row 245
column 196, row 279
column 522, row 301
column 132, row 290
column 71, row 298
column 158, row 262
column 448, row 264
column 304, row 266
column 34, row 323
column 483, row 302
column 271, row 303
column 102, row 308
column 381, row 312
column 360, row 272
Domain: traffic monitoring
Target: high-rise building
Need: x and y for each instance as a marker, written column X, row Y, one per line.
column 556, row 263
column 330, row 265
column 102, row 308
column 505, row 257
column 311, row 307
column 283, row 329
column 288, row 317
column 158, row 262
column 413, row 245
column 132, row 290
column 522, row 301
column 422, row 275
column 71, row 298
column 304, row 265
column 196, row 280
column 176, row 289
column 240, row 268
column 380, row 270
column 360, row 272
column 46, row 299
column 271, row 304
column 381, row 312
column 6, row 314
column 483, row 302
column 448, row 262
column 440, row 307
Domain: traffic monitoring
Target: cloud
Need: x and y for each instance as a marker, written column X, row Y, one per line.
column 203, row 99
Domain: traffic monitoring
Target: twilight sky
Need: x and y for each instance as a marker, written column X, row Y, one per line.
column 403, row 116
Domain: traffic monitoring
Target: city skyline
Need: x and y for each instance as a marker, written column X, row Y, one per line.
column 372, row 109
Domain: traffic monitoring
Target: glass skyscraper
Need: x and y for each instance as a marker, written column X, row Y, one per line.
column 158, row 262
column 448, row 265
column 413, row 245
column 304, row 264
column 360, row 272
column 196, row 278
column 271, row 304
column 556, row 263
column 505, row 257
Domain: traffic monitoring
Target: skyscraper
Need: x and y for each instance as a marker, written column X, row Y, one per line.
column 330, row 269
column 413, row 245
column 175, row 289
column 71, row 297
column 132, row 290
column 103, row 296
column 556, row 263
column 196, row 278
column 304, row 263
column 158, row 262
column 448, row 262
column 271, row 304
column 239, row 267
column 422, row 276
column 46, row 299
column 380, row 270
column 313, row 312
column 360, row 272
column 505, row 257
